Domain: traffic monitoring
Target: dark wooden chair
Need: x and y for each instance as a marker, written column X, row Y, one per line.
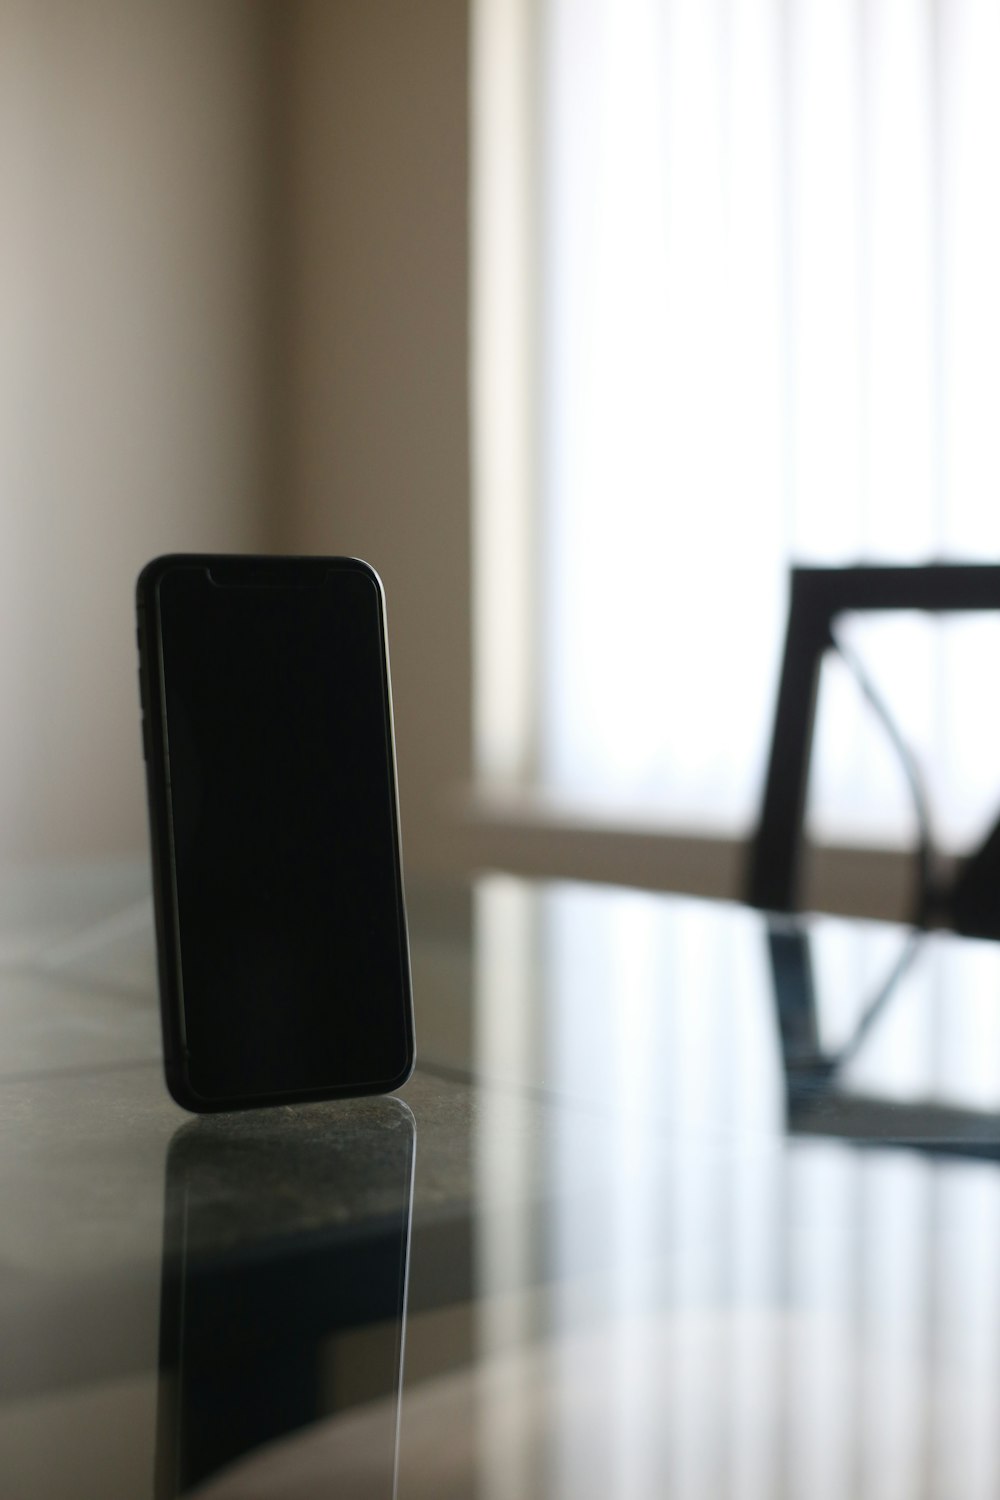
column 971, row 903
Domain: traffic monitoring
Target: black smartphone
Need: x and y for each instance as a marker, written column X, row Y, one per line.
column 274, row 826
column 283, row 1303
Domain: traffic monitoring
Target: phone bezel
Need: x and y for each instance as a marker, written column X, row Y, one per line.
column 250, row 570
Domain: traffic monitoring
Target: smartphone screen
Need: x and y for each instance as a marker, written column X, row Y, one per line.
column 283, row 1303
column 280, row 800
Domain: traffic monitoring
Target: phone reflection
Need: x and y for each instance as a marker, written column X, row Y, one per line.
column 283, row 1304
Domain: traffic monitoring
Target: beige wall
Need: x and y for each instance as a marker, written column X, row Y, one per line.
column 232, row 315
column 378, row 442
column 131, row 281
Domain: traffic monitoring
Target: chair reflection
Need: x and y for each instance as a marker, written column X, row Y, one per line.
column 817, row 1099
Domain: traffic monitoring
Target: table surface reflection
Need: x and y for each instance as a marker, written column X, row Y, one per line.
column 678, row 1203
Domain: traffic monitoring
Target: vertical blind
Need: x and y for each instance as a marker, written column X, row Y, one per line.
column 769, row 323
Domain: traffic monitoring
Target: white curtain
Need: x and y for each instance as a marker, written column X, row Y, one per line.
column 770, row 330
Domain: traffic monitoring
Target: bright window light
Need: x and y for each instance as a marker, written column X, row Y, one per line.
column 767, row 317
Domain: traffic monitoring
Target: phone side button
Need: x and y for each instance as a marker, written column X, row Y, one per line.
column 145, row 738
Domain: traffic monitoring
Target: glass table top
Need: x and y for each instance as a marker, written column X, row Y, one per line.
column 677, row 1203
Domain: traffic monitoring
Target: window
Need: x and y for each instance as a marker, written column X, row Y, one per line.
column 744, row 309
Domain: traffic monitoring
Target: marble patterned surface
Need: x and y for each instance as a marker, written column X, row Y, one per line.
column 633, row 1270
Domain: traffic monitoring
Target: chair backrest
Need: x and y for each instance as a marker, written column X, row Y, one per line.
column 818, row 596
